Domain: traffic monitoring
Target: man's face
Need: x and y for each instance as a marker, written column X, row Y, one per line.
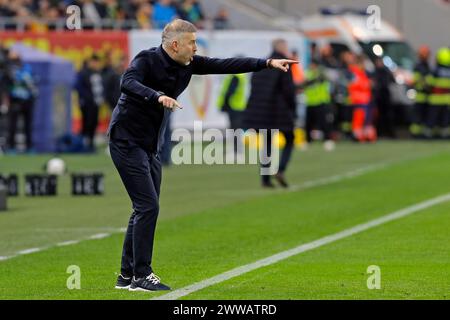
column 186, row 47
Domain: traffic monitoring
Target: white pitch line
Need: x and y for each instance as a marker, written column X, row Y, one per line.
column 28, row 251
column 99, row 236
column 82, row 229
column 340, row 177
column 67, row 243
column 305, row 185
column 62, row 244
column 176, row 294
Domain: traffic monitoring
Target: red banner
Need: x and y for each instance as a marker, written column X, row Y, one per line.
column 76, row 46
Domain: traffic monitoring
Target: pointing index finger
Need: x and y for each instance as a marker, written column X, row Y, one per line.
column 177, row 105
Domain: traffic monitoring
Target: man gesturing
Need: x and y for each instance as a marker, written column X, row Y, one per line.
column 150, row 86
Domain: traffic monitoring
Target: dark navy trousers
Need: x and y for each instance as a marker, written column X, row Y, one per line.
column 285, row 154
column 140, row 172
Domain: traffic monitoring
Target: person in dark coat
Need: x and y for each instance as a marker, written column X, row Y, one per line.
column 150, row 87
column 22, row 95
column 272, row 105
column 382, row 80
column 111, row 78
column 90, row 87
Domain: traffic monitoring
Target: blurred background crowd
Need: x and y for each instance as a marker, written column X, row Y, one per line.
column 38, row 15
column 352, row 83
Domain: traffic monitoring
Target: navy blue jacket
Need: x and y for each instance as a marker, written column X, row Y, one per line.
column 138, row 116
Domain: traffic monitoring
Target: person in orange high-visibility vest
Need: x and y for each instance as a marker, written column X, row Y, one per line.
column 298, row 74
column 360, row 96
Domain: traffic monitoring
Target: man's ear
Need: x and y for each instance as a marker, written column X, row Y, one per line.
column 175, row 45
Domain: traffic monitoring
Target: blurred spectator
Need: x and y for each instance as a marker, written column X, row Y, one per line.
column 327, row 59
column 5, row 73
column 222, row 19
column 272, row 105
column 144, row 16
column 342, row 98
column 318, row 100
column 90, row 87
column 131, row 7
column 22, row 93
column 330, row 66
column 314, row 51
column 42, row 8
column 5, row 9
column 113, row 10
column 164, row 11
column 421, row 71
column 112, row 73
column 92, row 12
column 5, row 82
column 297, row 71
column 360, row 95
column 232, row 100
column 43, row 15
column 191, row 11
column 52, row 18
column 439, row 98
column 383, row 79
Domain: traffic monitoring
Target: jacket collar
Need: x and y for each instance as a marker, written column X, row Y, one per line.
column 167, row 61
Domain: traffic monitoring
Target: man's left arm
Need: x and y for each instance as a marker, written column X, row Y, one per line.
column 206, row 65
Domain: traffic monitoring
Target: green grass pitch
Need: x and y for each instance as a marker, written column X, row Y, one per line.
column 216, row 218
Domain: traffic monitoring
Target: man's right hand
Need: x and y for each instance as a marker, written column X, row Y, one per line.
column 169, row 103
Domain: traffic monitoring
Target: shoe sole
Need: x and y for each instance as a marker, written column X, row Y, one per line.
column 139, row 289
column 122, row 288
column 145, row 290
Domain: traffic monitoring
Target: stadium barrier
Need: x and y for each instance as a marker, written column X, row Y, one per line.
column 39, row 184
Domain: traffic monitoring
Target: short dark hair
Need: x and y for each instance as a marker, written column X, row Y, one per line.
column 177, row 26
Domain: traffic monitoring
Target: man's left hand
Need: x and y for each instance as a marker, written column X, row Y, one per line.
column 282, row 64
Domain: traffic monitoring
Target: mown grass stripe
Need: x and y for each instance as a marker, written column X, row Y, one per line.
column 302, row 248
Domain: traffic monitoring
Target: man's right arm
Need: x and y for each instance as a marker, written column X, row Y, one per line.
column 132, row 79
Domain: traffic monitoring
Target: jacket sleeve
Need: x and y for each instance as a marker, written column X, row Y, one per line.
column 131, row 82
column 205, row 65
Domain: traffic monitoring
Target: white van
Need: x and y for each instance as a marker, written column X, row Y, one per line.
column 349, row 30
